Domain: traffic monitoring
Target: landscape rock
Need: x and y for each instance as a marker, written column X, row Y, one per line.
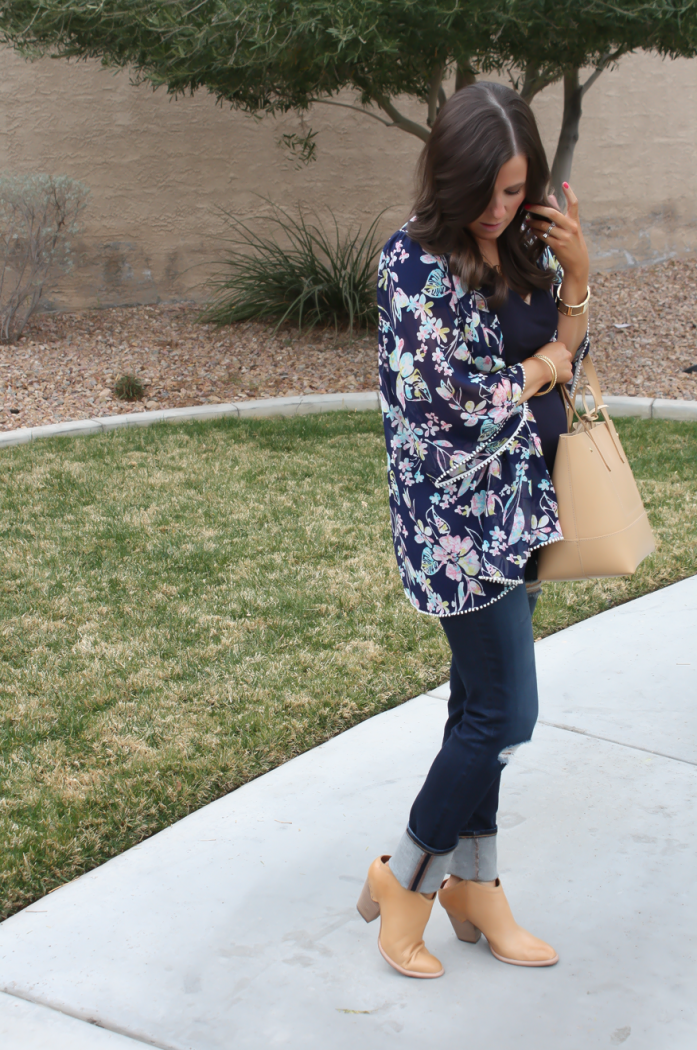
column 643, row 331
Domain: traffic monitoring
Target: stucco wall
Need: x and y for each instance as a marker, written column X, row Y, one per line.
column 158, row 168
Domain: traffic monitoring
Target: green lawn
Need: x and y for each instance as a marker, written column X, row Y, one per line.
column 184, row 608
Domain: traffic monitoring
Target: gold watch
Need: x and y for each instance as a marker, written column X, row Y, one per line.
column 573, row 311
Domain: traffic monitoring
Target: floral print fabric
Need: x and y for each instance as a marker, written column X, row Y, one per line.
column 470, row 495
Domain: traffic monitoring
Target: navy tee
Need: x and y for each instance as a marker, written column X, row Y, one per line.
column 525, row 329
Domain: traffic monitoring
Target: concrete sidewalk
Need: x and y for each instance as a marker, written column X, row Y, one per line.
column 236, row 927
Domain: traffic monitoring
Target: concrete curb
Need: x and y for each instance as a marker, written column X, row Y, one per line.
column 273, row 406
column 364, row 401
column 647, row 407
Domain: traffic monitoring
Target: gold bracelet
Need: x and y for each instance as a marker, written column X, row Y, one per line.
column 573, row 311
column 555, row 378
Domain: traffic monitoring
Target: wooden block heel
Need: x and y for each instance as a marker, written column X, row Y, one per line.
column 465, row 931
column 367, row 907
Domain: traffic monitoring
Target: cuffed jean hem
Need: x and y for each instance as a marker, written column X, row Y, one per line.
column 475, row 858
column 418, row 870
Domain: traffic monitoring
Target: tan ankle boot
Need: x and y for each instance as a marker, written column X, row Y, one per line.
column 403, row 917
column 482, row 906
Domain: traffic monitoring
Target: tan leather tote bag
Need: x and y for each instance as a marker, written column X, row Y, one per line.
column 606, row 531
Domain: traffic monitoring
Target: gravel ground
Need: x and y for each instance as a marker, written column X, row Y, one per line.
column 644, row 328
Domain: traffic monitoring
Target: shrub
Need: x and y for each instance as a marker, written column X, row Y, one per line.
column 38, row 216
column 128, row 388
column 312, row 277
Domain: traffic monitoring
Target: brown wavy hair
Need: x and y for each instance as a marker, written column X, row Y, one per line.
column 479, row 129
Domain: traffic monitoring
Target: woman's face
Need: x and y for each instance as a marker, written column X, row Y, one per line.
column 508, row 195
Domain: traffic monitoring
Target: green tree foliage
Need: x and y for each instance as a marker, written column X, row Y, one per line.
column 270, row 56
column 552, row 41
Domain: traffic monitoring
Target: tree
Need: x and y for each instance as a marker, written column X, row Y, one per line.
column 271, row 56
column 558, row 41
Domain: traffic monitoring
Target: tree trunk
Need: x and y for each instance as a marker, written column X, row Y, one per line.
column 436, row 86
column 568, row 136
column 464, row 76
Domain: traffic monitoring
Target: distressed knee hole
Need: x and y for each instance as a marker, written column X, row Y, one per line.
column 507, row 754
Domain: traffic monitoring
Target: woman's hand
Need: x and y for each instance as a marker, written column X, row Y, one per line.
column 562, row 358
column 563, row 235
column 566, row 241
column 538, row 373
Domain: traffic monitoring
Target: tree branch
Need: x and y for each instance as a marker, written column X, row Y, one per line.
column 400, row 120
column 604, row 62
column 356, row 109
column 592, row 79
column 534, row 82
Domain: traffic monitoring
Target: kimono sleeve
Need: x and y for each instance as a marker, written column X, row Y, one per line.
column 432, row 351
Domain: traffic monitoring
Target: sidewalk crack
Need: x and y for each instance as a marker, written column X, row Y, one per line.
column 115, row 1029
column 620, row 743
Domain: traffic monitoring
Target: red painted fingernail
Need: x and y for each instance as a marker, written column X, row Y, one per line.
column 565, row 185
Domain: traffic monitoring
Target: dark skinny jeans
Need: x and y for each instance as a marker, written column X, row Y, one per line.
column 492, row 709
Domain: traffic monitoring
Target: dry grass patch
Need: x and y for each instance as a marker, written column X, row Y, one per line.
column 185, row 608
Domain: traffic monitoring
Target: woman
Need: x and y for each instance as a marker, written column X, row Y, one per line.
column 483, row 301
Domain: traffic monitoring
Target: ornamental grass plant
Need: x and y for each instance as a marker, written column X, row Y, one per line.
column 294, row 269
column 129, row 388
column 185, row 607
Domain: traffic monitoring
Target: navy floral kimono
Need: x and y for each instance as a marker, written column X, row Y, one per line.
column 470, row 495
